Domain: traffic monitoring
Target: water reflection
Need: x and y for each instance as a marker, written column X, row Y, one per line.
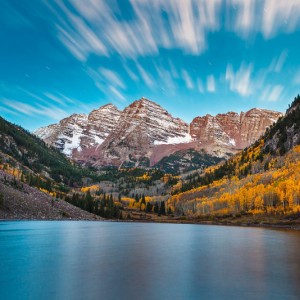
column 103, row 260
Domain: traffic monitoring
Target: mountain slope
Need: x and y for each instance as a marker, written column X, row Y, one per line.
column 186, row 160
column 145, row 133
column 33, row 177
column 141, row 126
column 232, row 129
column 21, row 201
column 79, row 131
column 261, row 180
column 21, row 147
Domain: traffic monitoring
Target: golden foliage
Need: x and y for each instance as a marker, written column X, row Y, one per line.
column 274, row 191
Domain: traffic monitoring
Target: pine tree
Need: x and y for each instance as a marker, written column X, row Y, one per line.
column 162, row 209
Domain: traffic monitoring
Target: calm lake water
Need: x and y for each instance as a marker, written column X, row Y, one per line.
column 105, row 260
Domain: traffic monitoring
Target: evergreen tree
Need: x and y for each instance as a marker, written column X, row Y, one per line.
column 162, row 209
column 149, row 207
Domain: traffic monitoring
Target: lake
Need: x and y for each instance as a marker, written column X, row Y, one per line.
column 110, row 260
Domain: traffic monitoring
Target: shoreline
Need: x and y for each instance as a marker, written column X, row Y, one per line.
column 183, row 222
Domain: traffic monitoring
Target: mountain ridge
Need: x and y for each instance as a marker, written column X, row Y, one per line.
column 136, row 135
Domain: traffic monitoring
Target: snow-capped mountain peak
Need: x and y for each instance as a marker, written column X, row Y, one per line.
column 144, row 132
column 80, row 131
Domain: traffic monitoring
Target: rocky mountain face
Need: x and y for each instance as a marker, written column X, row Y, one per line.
column 144, row 133
column 285, row 134
column 141, row 126
column 233, row 129
column 79, row 131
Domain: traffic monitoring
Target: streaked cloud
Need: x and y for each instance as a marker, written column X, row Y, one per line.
column 112, row 77
column 280, row 16
column 117, row 93
column 240, row 80
column 200, row 86
column 131, row 73
column 91, row 27
column 187, row 80
column 268, row 17
column 278, row 62
column 35, row 109
column 76, row 34
column 241, row 16
column 56, row 99
column 272, row 93
column 146, row 77
column 211, row 84
column 165, row 78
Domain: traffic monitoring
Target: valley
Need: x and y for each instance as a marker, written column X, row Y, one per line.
column 258, row 185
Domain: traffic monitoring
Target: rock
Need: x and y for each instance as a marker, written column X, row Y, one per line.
column 79, row 131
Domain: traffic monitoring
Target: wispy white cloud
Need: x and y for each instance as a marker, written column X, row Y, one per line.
column 98, row 27
column 145, row 76
column 7, row 110
column 52, row 112
column 240, row 81
column 278, row 62
column 117, row 93
column 268, row 17
column 173, row 70
column 241, row 16
column 95, row 77
column 272, row 93
column 91, row 27
column 112, row 77
column 187, row 80
column 280, row 15
column 56, row 99
column 131, row 73
column 211, row 84
column 77, row 35
column 165, row 78
column 200, row 86
column 66, row 98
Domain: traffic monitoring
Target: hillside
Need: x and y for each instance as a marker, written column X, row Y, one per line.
column 187, row 160
column 21, row 201
column 33, row 178
column 18, row 146
column 39, row 182
column 261, row 180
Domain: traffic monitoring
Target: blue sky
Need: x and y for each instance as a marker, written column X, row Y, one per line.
column 192, row 57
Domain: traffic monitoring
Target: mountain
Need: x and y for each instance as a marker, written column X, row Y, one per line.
column 34, row 177
column 232, row 129
column 141, row 126
column 79, row 131
column 144, row 133
column 262, row 182
column 19, row 147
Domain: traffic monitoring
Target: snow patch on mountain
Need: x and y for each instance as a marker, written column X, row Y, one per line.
column 80, row 131
column 176, row 140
